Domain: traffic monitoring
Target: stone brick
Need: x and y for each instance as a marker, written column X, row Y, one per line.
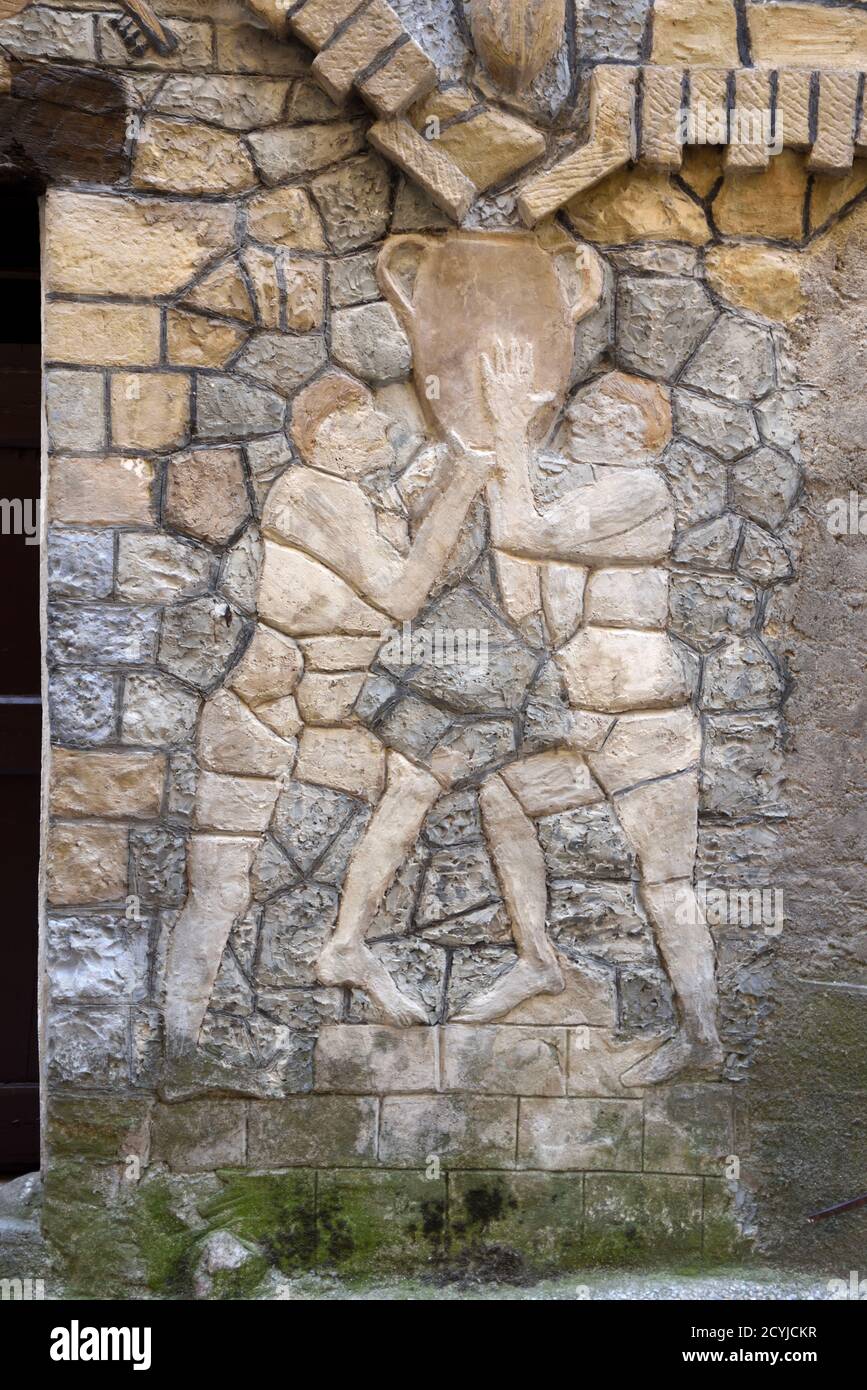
column 434, row 172
column 322, row 1131
column 632, row 1218
column 231, row 409
column 763, row 279
column 157, row 710
column 355, row 202
column 598, row 1057
column 97, row 958
column 206, row 494
column 369, row 342
column 317, row 20
column 407, row 75
column 41, row 32
column 534, row 1218
column 88, row 1047
column 285, row 217
column 194, row 50
column 504, row 1060
column 181, row 157
column 685, row 35
column 199, row 1136
column 491, row 146
column 688, row 1128
column 195, row 341
column 198, row 640
column 106, row 490
column 283, row 153
column 247, row 48
column 150, row 410
column 369, row 1058
column 80, row 563
column 118, row 335
column 75, row 409
column 238, row 103
column 462, row 1131
column 355, row 48
column 82, row 707
column 100, row 634
column 106, row 784
column 637, row 204
column 86, row 863
column 558, row 1134
column 813, row 36
column 97, row 1127
column 281, row 361
column 378, row 1222
column 769, row 204
column 98, row 244
column 156, row 567
column 661, row 322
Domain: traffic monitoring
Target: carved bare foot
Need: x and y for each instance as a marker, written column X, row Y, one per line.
column 523, row 981
column 681, row 1053
column 358, row 967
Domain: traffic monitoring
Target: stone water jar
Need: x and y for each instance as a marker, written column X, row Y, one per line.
column 470, row 289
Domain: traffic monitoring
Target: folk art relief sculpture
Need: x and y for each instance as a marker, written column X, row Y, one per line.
column 491, row 318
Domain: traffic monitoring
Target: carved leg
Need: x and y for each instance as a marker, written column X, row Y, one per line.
column 520, row 869
column 409, row 795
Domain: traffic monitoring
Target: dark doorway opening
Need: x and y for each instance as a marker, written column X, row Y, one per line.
column 20, row 676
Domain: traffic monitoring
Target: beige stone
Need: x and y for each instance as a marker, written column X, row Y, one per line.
column 627, row 598
column 269, row 669
column 505, row 1060
column 517, row 38
column 284, row 152
column 769, row 204
column 563, row 600
column 834, row 147
column 579, row 1134
column 490, row 146
column 87, row 863
column 179, row 157
column 233, row 102
column 811, row 36
column 610, row 145
column 105, row 490
column 223, row 291
column 598, row 1059
column 618, row 419
column 94, row 783
column 316, row 21
column 763, row 279
column 196, row 341
column 366, row 36
column 150, row 410
column 365, row 1058
column 206, row 494
column 434, row 172
column 235, row 805
column 285, row 217
column 587, row 998
column 103, row 244
column 233, row 740
column 638, row 204
column 661, row 100
column 304, row 599
column 520, row 585
column 247, row 48
column 551, row 782
column 262, row 268
column 611, row 669
column 644, row 746
column 349, row 760
column 328, row 698
column 273, row 12
column 688, row 34
column 339, row 653
column 661, row 822
column 794, row 102
column 752, row 95
column 463, row 1131
column 281, row 715
column 703, row 166
column 831, row 194
column 407, row 75
column 116, row 335
column 304, row 294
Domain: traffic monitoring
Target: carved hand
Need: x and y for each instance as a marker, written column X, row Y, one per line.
column 507, row 385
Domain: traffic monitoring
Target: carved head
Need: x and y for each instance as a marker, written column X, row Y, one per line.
column 336, row 427
column 516, row 38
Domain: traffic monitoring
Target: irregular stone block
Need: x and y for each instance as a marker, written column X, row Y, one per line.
column 248, row 48
column 763, row 557
column 355, row 202
column 198, row 640
column 97, row 958
column 349, row 760
column 771, row 205
column 282, row 362
column 87, row 863
column 638, row 204
column 182, row 157
column 157, row 710
column 458, row 880
column 88, row 1047
column 230, row 409
column 742, row 773
column 726, row 430
column 736, row 360
column 106, row 784
column 158, row 864
column 557, row 1134
column 158, row 568
column 661, row 322
column 369, row 342
column 504, row 1060
column 206, row 494
column 697, row 481
column 688, row 37
column 461, row 1131
column 617, row 419
column 355, row 48
column 82, row 707
column 80, row 563
column 762, row 279
column 195, row 341
column 364, row 1058
column 199, row 1136
column 586, row 842
column 284, row 152
column 741, row 675
column 234, row 805
column 150, row 410
column 318, row 1131
column 704, row 608
column 295, row 927
column 765, row 485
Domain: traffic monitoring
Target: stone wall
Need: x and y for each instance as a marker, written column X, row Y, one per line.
column 213, row 225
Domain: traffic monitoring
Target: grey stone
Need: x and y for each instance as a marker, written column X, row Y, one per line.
column 453, row 820
column 644, row 999
column 484, row 926
column 97, row 958
column 281, row 361
column 232, row 992
column 474, row 970
column 375, row 694
column 307, row 819
column 778, row 415
column 418, row 970
column 295, row 927
column 763, row 557
column 660, row 323
column 40, row 32
column 585, row 843
column 726, row 430
column 267, row 459
column 657, row 260
column 183, row 777
column 199, row 639
column 80, row 563
column 598, row 918
column 352, row 280
column 154, row 567
column 415, row 212
column 303, row 1010
column 244, row 939
column 736, row 360
column 308, row 102
column 75, row 409
column 435, row 27
column 594, row 339
column 764, row 486
column 284, row 152
column 705, row 608
column 394, row 917
column 271, row 871
column 734, row 856
column 355, row 201
column 698, row 482
column 222, row 1253
column 101, row 634
column 459, row 879
column 82, row 707
column 88, row 1047
column 740, row 675
column 157, row 710
column 332, row 868
column 742, row 767
column 478, row 746
column 611, row 29
column 369, row 342
column 710, row 546
column 546, row 716
column 412, row 726
column 239, row 572
column 230, row 409
column 158, row 864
